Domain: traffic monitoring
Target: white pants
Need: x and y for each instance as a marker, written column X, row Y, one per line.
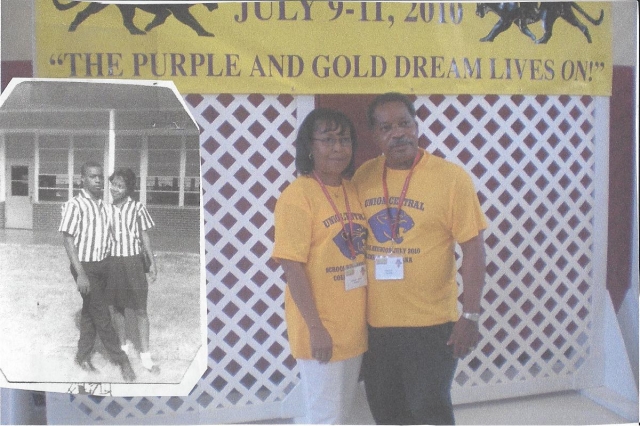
column 329, row 389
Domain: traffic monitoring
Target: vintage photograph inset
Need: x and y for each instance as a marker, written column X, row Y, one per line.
column 100, row 250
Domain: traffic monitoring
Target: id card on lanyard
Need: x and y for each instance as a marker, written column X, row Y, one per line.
column 355, row 274
column 389, row 267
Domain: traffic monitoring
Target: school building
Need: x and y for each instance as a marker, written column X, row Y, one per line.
column 49, row 128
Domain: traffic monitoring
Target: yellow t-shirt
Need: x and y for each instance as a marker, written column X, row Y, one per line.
column 308, row 231
column 441, row 208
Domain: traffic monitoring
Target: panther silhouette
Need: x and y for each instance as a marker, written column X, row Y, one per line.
column 551, row 11
column 161, row 11
column 359, row 237
column 520, row 14
column 380, row 224
column 524, row 13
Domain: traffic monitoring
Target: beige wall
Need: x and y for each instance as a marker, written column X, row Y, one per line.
column 625, row 32
column 17, row 30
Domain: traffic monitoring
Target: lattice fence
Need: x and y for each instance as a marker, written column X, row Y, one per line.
column 532, row 159
column 248, row 161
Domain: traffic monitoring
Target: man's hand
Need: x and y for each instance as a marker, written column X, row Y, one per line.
column 464, row 337
column 321, row 344
column 83, row 283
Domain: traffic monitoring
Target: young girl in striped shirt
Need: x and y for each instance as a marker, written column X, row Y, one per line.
column 128, row 287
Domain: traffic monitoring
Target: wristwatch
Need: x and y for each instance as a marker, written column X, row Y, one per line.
column 471, row 317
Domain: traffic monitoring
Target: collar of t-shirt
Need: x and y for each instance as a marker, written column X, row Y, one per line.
column 84, row 193
column 129, row 200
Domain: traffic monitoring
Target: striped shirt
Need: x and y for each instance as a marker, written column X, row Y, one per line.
column 127, row 222
column 87, row 221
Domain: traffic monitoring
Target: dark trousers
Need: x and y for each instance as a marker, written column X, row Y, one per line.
column 95, row 318
column 408, row 372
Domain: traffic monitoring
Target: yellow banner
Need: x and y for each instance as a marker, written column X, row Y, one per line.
column 308, row 47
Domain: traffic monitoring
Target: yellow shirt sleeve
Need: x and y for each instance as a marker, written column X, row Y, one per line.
column 293, row 225
column 468, row 219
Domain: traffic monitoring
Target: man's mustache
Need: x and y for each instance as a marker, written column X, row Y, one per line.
column 400, row 142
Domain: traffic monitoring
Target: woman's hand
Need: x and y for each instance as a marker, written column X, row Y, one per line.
column 321, row 344
column 153, row 273
column 146, row 242
column 320, row 339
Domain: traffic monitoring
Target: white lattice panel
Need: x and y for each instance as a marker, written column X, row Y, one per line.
column 247, row 156
column 532, row 159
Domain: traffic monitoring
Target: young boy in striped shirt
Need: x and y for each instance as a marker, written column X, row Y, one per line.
column 87, row 241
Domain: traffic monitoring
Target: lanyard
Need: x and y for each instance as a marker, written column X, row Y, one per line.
column 349, row 236
column 396, row 222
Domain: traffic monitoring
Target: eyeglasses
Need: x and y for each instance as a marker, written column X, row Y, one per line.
column 118, row 186
column 388, row 127
column 331, row 142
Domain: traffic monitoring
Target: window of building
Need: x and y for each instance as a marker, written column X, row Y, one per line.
column 163, row 176
column 167, row 167
column 128, row 154
column 19, row 181
column 192, row 177
column 53, row 177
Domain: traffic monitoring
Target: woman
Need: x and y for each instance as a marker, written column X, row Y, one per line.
column 128, row 287
column 320, row 233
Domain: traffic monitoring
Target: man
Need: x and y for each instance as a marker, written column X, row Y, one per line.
column 418, row 206
column 87, row 241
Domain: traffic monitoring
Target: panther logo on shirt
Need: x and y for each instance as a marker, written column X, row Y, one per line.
column 380, row 224
column 359, row 237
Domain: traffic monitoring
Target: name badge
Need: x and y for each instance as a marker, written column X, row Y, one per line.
column 389, row 268
column 355, row 276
